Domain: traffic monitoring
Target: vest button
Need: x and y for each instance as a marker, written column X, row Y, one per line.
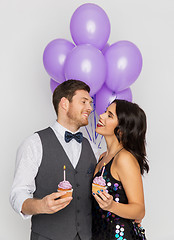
column 78, row 211
column 78, row 198
column 77, row 185
column 78, row 224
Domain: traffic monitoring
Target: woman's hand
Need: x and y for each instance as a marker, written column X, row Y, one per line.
column 104, row 200
column 138, row 222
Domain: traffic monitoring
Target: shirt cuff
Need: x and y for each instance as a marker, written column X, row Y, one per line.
column 18, row 205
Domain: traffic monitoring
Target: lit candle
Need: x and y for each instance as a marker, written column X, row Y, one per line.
column 103, row 170
column 64, row 167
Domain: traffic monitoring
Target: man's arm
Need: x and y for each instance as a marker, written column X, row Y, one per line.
column 49, row 204
column 28, row 160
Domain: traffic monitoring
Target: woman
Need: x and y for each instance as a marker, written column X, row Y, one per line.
column 124, row 127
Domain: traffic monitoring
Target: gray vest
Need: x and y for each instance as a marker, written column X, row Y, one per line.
column 76, row 217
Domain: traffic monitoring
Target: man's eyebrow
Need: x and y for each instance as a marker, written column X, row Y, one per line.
column 87, row 99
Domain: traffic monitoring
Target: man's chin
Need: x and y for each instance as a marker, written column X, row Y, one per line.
column 84, row 123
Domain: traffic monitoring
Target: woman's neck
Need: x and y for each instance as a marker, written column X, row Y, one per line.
column 113, row 145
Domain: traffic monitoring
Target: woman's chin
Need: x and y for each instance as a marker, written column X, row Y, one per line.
column 98, row 130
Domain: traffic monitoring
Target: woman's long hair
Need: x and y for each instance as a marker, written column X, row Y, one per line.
column 131, row 130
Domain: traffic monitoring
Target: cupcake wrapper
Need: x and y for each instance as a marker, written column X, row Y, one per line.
column 96, row 188
column 68, row 193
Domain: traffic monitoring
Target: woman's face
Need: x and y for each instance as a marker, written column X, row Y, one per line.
column 108, row 121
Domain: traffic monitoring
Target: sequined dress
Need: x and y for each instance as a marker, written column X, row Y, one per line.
column 109, row 226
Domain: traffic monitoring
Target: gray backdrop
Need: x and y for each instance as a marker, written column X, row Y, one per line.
column 26, row 27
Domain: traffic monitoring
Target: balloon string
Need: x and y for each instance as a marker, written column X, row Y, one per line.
column 100, row 142
column 92, row 132
column 88, row 133
column 91, row 123
column 95, row 122
column 97, row 135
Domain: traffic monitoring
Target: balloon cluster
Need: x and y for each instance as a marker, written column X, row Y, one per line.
column 108, row 70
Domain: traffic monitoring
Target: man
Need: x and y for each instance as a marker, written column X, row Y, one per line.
column 39, row 169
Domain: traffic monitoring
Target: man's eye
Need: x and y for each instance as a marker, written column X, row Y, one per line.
column 83, row 102
column 109, row 116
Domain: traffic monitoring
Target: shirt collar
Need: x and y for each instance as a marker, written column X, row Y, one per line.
column 60, row 129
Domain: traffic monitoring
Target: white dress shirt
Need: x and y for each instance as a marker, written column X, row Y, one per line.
column 28, row 160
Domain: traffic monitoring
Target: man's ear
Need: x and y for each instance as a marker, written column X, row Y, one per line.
column 64, row 103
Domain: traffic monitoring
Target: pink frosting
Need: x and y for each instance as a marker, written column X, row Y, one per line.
column 100, row 181
column 65, row 185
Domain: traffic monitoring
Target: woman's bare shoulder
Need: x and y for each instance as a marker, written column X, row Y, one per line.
column 126, row 159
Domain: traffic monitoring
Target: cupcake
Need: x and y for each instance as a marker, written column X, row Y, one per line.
column 65, row 186
column 98, row 184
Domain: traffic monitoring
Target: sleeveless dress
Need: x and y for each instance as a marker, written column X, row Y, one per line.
column 107, row 225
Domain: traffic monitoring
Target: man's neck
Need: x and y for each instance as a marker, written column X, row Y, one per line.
column 69, row 126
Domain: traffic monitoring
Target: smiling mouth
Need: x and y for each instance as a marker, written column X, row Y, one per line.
column 86, row 115
column 100, row 124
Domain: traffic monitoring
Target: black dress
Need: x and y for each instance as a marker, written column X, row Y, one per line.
column 109, row 226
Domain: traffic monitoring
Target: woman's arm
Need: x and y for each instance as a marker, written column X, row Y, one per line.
column 127, row 169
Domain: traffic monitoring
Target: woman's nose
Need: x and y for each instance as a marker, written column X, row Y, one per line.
column 102, row 115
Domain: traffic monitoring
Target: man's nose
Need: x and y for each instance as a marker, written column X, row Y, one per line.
column 90, row 108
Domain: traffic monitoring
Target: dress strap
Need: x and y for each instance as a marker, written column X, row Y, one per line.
column 118, row 152
column 100, row 159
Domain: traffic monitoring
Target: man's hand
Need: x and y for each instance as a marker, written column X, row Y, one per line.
column 49, row 204
column 53, row 203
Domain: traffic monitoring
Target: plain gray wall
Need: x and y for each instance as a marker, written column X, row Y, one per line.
column 26, row 27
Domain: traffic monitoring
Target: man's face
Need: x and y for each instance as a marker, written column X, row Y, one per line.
column 80, row 108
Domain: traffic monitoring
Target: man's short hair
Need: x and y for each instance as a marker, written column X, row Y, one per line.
column 68, row 89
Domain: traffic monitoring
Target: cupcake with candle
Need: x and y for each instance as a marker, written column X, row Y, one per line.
column 65, row 186
column 99, row 183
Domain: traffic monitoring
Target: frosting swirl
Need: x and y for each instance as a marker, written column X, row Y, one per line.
column 100, row 181
column 65, row 185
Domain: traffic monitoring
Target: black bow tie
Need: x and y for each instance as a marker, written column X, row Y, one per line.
column 77, row 136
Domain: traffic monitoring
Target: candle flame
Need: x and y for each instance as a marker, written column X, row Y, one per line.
column 64, row 167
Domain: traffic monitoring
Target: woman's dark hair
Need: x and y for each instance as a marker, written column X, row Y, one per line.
column 131, row 130
column 67, row 89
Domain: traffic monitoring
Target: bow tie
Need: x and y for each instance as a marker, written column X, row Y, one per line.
column 77, row 136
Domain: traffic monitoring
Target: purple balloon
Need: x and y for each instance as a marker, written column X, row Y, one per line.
column 90, row 24
column 86, row 63
column 124, row 64
column 103, row 99
column 105, row 48
column 54, row 58
column 53, row 85
column 126, row 94
column 105, row 96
